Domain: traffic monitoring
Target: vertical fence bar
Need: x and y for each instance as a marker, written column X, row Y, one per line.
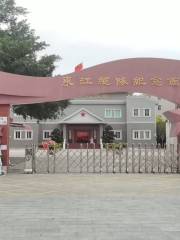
column 139, row 158
column 32, row 147
column 126, row 164
column 54, row 160
column 33, row 158
column 81, row 158
column 100, row 161
column 113, row 148
column 178, row 157
column 165, row 157
column 48, row 152
column 87, row 155
column 120, row 152
column 145, row 158
column 107, row 167
column 25, row 158
column 67, row 146
column 172, row 156
column 174, row 159
column 94, row 164
column 152, row 158
column 158, row 158
column 133, row 156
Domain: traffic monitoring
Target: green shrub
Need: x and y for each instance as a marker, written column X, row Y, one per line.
column 57, row 135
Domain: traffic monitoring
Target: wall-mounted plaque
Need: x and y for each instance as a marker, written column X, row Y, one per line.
column 3, row 120
column 3, row 147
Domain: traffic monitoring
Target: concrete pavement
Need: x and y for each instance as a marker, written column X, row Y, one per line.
column 90, row 207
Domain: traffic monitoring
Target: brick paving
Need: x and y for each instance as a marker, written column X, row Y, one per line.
column 90, row 207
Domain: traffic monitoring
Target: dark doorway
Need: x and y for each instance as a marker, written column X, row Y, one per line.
column 82, row 136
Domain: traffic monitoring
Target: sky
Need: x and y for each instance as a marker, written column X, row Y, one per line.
column 97, row 31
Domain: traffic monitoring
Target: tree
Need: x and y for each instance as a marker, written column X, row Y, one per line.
column 161, row 130
column 19, row 51
column 108, row 134
column 41, row 111
column 57, row 135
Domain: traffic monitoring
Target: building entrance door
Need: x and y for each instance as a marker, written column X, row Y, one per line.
column 82, row 136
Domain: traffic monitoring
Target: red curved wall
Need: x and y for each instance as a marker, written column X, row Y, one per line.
column 158, row 77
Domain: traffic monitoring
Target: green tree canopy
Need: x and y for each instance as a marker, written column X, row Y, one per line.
column 161, row 130
column 108, row 134
column 57, row 135
column 19, row 51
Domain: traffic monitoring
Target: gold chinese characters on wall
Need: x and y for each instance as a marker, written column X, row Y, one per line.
column 122, row 81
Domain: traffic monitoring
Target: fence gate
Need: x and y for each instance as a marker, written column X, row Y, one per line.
column 113, row 158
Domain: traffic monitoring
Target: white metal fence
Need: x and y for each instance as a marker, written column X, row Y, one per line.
column 113, row 158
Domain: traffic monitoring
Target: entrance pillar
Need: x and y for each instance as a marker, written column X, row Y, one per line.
column 64, row 132
column 4, row 136
column 100, row 131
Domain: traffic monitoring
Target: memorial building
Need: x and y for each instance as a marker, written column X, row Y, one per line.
column 133, row 119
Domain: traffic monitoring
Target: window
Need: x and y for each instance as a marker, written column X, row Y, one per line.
column 117, row 113
column 147, row 134
column 136, row 112
column 141, row 112
column 23, row 134
column 118, row 134
column 17, row 134
column 159, row 107
column 135, row 134
column 108, row 113
column 29, row 135
column 146, row 112
column 141, row 135
column 112, row 113
column 46, row 134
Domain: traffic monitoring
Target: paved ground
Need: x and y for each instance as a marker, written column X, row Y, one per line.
column 90, row 207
